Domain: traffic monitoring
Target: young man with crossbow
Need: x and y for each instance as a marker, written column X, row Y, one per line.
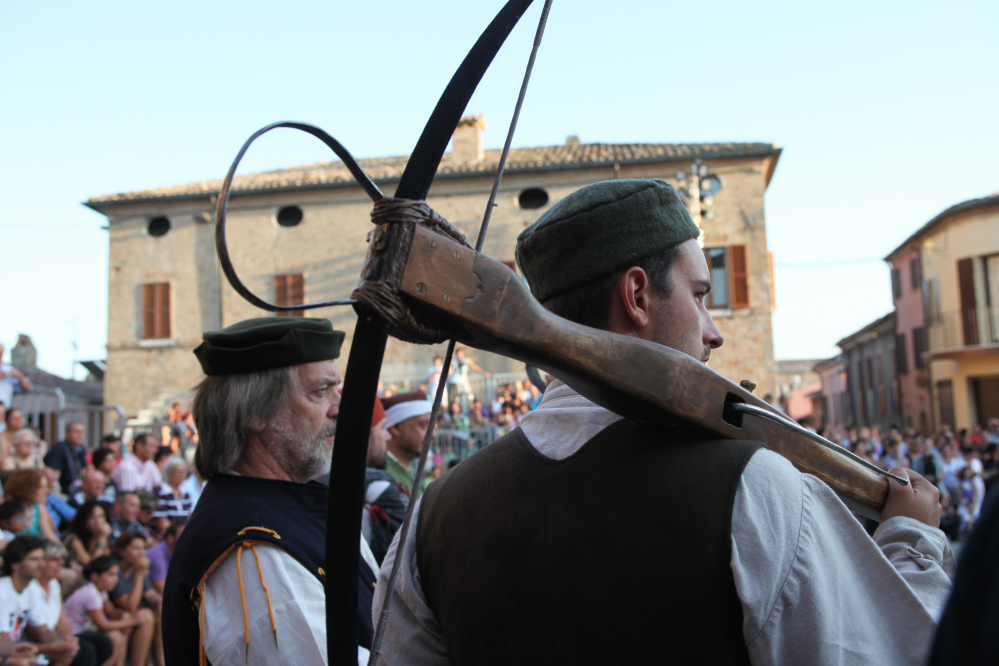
column 583, row 537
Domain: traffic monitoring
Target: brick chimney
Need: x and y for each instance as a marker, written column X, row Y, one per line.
column 23, row 356
column 466, row 144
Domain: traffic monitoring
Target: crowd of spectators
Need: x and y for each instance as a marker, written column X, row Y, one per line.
column 86, row 542
column 468, row 421
column 963, row 465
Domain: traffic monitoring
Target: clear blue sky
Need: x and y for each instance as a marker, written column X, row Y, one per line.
column 887, row 113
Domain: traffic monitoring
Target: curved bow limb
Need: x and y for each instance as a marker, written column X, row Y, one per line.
column 346, row 493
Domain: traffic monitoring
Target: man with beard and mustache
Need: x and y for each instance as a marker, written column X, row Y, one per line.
column 583, row 537
column 246, row 575
column 385, row 503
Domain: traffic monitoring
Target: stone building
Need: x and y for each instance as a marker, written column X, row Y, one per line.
column 910, row 338
column 832, row 404
column 298, row 235
column 869, row 358
column 56, row 401
column 949, row 299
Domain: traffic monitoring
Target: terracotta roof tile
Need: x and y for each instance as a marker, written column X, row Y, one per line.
column 391, row 168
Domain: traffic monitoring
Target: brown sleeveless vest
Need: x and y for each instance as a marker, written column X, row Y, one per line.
column 618, row 554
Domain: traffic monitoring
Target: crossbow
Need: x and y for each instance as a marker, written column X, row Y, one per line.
column 422, row 282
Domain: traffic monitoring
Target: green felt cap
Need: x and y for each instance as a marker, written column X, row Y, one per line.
column 599, row 229
column 267, row 343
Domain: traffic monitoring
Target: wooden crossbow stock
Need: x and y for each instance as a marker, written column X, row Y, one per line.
column 422, row 282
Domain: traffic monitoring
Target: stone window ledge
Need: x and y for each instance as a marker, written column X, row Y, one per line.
column 720, row 312
column 159, row 342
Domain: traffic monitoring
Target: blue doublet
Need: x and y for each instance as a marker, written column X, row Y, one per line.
column 241, row 509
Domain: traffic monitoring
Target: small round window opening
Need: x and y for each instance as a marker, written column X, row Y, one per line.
column 290, row 216
column 158, row 226
column 531, row 198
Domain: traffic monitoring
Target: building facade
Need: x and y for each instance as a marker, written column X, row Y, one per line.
column 833, row 400
column 910, row 338
column 299, row 235
column 869, row 358
column 958, row 264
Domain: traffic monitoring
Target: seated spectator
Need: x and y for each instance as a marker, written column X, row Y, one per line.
column 124, row 515
column 112, row 442
column 147, row 506
column 105, row 462
column 136, row 595
column 193, row 485
column 92, row 484
column 22, row 604
column 13, row 520
column 69, row 456
column 171, row 500
column 95, row 648
column 24, row 446
column 159, row 555
column 90, row 533
column 891, row 456
column 90, row 605
column 31, row 487
column 163, row 454
column 138, row 471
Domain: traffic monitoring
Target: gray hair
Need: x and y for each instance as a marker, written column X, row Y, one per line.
column 22, row 434
column 172, row 464
column 224, row 408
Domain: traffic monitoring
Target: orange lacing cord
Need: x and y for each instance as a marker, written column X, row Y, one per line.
column 202, row 657
column 270, row 609
column 242, row 599
column 259, row 529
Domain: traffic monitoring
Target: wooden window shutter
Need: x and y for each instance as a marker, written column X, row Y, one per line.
column 155, row 310
column 966, row 287
column 739, row 276
column 915, row 273
column 896, row 282
column 289, row 290
column 901, row 358
column 919, row 345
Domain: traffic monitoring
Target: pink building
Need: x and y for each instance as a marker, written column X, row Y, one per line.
column 910, row 338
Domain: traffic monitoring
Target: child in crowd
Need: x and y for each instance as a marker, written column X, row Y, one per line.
column 135, row 594
column 13, row 520
column 90, row 605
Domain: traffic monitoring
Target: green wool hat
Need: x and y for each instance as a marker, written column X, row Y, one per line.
column 599, row 229
column 267, row 343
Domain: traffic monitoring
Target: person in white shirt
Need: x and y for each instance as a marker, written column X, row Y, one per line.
column 138, row 471
column 246, row 583
column 23, row 606
column 95, row 648
column 812, row 586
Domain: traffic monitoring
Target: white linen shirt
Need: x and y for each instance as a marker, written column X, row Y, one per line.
column 132, row 474
column 296, row 596
column 814, row 587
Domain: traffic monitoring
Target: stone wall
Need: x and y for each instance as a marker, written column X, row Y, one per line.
column 329, row 247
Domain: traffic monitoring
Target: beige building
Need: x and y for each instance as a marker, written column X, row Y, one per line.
column 955, row 260
column 298, row 235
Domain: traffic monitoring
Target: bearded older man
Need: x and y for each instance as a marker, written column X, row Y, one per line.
column 246, row 576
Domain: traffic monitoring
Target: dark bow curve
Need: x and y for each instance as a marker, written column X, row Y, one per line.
column 346, row 493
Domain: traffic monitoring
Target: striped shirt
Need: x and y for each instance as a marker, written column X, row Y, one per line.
column 172, row 504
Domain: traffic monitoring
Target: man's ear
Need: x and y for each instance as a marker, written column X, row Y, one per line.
column 395, row 431
column 633, row 291
column 257, row 426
